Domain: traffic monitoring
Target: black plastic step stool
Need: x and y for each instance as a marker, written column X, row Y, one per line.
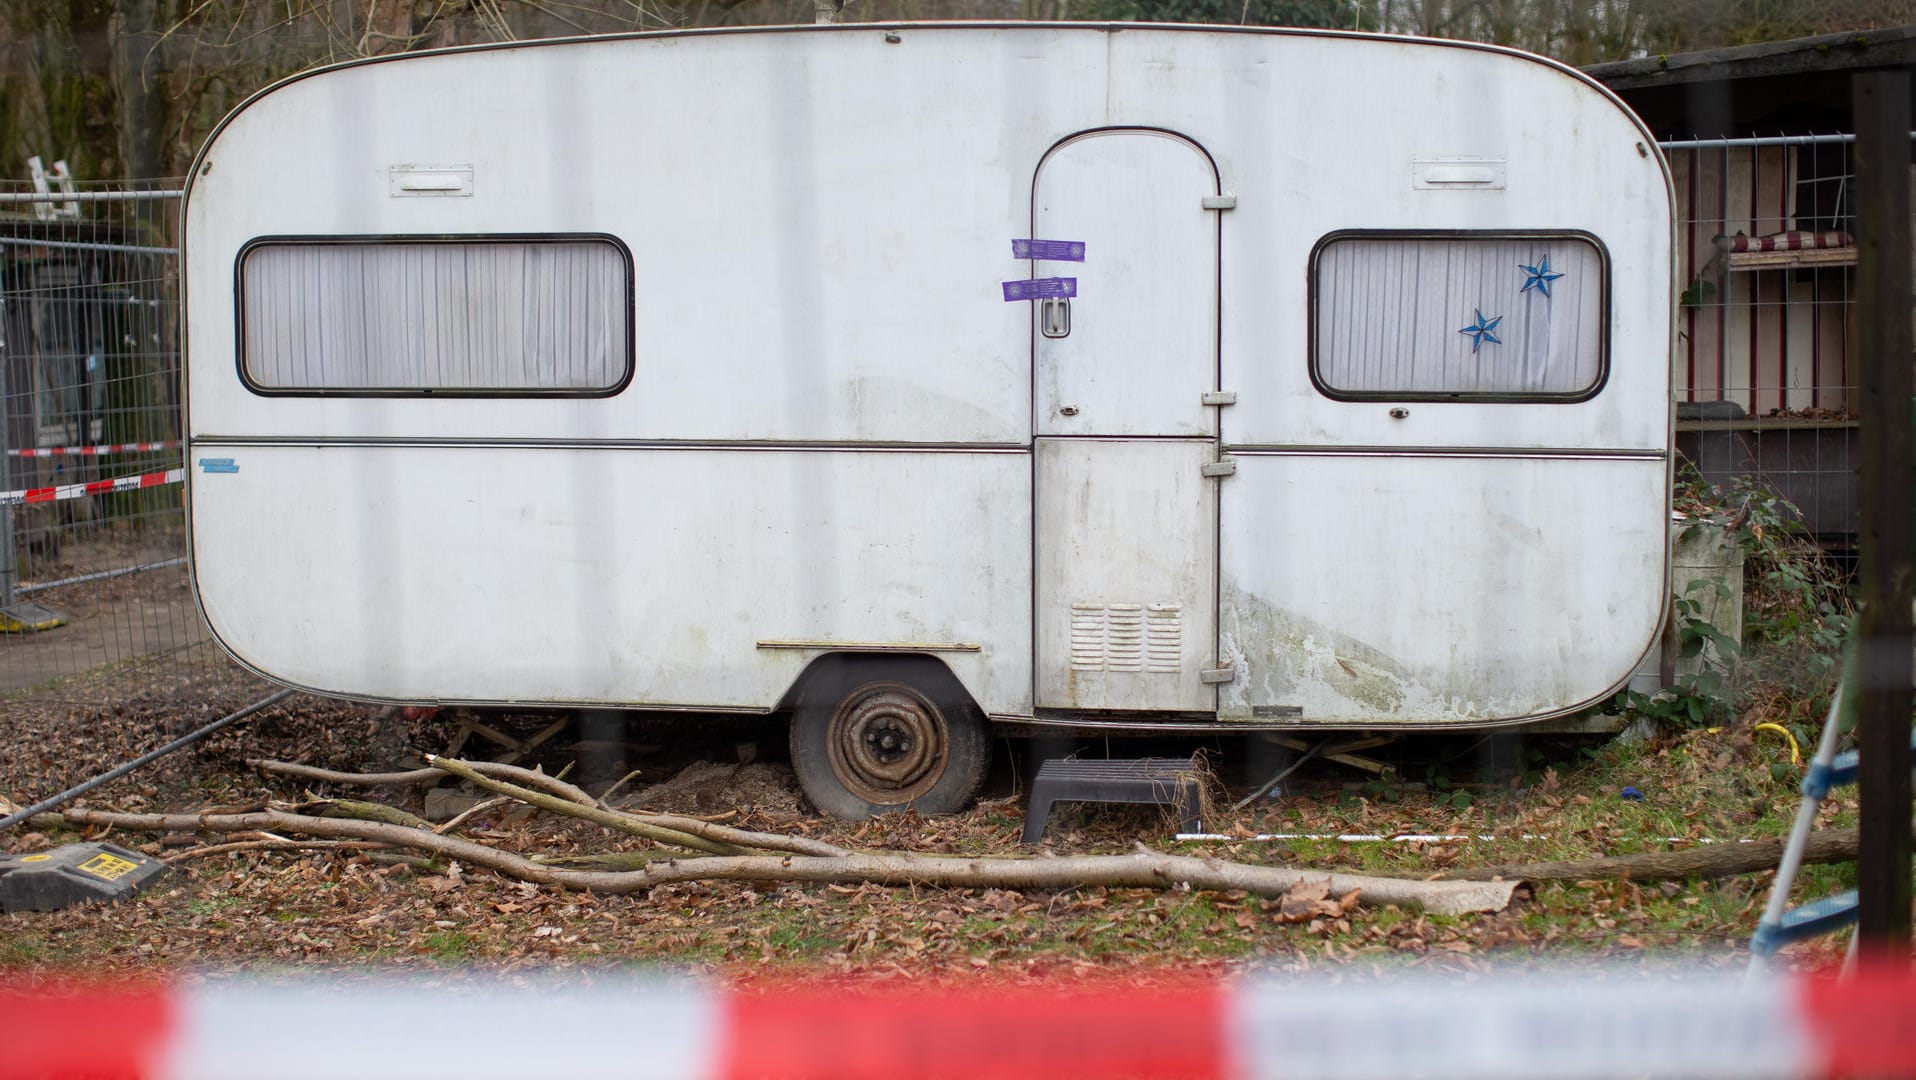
column 1163, row 781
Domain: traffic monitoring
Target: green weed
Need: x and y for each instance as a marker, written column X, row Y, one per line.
column 449, row 946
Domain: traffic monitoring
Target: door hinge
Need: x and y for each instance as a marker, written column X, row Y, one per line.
column 1224, row 466
column 1219, row 397
column 1220, row 202
column 1216, row 675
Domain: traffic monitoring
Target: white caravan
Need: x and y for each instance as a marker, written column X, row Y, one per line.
column 908, row 378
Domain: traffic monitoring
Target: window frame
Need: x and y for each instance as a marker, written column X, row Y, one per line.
column 405, row 239
column 1462, row 396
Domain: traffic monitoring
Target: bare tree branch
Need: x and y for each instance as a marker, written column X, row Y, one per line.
column 471, row 812
column 663, row 828
column 532, row 778
column 367, row 811
column 611, row 819
column 680, row 831
column 1144, row 870
column 272, row 844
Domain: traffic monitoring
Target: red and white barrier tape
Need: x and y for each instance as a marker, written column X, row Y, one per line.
column 1595, row 1023
column 93, row 451
column 92, row 487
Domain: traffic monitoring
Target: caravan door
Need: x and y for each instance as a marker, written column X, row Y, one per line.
column 1126, row 548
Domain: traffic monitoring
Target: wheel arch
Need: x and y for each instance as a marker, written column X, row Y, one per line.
column 827, row 668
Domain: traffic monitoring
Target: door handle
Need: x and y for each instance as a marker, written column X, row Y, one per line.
column 1054, row 316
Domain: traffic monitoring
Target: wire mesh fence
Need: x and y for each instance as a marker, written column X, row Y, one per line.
column 95, row 604
column 1764, row 370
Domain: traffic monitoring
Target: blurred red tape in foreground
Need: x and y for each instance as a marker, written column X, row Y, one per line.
column 1639, row 1021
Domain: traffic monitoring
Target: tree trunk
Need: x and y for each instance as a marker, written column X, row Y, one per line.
column 134, row 31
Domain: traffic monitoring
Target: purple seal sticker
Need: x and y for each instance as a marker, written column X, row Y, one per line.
column 1049, row 250
column 1040, row 288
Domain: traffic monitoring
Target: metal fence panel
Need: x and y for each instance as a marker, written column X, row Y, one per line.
column 93, row 581
column 1764, row 369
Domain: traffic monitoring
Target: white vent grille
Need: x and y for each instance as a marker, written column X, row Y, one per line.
column 1164, row 639
column 1124, row 637
column 1087, row 637
column 1127, row 638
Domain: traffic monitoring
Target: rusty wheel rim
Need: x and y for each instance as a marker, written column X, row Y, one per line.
column 888, row 743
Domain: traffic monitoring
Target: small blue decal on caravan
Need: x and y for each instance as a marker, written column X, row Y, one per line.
column 1540, row 277
column 1480, row 331
column 1052, row 250
column 1040, row 288
column 218, row 465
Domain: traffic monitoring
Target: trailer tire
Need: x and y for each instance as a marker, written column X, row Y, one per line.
column 870, row 739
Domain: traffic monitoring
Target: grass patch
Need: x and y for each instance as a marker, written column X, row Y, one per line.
column 22, row 949
column 449, row 946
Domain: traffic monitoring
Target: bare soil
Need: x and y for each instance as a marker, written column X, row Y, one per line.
column 117, row 621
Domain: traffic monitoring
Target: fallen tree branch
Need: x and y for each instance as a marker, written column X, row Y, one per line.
column 367, row 811
column 555, row 783
column 611, row 860
column 1145, row 870
column 275, row 844
column 1710, row 860
column 528, row 777
column 330, row 776
column 664, row 828
column 718, row 839
column 471, row 812
column 605, row 797
column 611, row 819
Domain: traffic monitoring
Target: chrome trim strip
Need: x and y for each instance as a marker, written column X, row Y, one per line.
column 605, row 444
column 1211, row 726
column 876, row 646
column 1542, row 452
column 1244, row 449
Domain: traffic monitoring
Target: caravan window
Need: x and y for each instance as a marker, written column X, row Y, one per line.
column 1403, row 316
column 402, row 316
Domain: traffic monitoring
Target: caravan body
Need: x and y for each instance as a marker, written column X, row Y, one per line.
column 649, row 371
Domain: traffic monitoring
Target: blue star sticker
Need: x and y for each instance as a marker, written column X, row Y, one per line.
column 1540, row 277
column 1480, row 331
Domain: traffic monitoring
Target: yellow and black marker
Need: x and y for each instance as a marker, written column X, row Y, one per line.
column 71, row 874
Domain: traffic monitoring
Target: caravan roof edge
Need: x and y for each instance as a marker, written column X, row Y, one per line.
column 193, row 172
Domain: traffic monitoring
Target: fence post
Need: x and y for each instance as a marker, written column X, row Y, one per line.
column 1881, row 101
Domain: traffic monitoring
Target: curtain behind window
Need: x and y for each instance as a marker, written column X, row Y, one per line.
column 1422, row 316
column 466, row 316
